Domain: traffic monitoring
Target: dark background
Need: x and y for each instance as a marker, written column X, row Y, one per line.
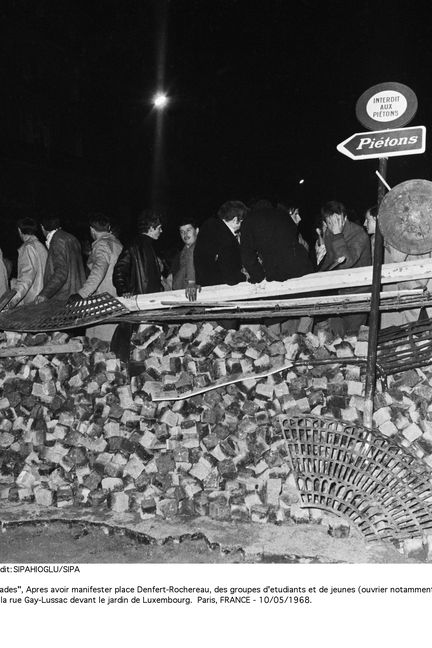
column 261, row 93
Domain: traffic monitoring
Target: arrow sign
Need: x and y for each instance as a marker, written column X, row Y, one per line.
column 384, row 143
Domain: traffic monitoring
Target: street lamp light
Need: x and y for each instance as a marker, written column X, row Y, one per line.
column 160, row 100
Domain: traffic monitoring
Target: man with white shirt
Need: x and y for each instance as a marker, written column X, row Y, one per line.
column 182, row 266
column 217, row 256
column 64, row 272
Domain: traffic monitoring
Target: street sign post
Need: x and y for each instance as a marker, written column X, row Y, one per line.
column 391, row 105
column 384, row 143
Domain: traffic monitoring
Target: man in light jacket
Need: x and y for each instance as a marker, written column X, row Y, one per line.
column 4, row 283
column 32, row 257
column 104, row 253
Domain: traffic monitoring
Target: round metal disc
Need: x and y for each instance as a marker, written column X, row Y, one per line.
column 405, row 217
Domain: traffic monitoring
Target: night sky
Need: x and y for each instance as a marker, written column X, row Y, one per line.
column 261, row 93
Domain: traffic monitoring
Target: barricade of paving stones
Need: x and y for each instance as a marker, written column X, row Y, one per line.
column 76, row 430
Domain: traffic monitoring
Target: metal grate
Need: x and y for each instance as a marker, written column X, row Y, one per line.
column 405, row 347
column 55, row 316
column 361, row 475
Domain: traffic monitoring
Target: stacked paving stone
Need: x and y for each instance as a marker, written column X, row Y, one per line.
column 76, row 430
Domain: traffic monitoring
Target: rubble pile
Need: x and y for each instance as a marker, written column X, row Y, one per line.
column 77, row 430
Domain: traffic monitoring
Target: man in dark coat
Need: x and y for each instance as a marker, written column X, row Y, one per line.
column 64, row 271
column 270, row 248
column 217, row 256
column 137, row 272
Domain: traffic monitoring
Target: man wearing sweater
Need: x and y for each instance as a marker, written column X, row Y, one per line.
column 183, row 267
column 345, row 245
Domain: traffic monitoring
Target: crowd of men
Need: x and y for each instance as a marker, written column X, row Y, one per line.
column 238, row 244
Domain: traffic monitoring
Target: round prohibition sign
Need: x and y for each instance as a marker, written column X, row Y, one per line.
column 386, row 105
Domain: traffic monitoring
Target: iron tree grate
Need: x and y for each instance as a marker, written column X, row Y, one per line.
column 55, row 316
column 361, row 475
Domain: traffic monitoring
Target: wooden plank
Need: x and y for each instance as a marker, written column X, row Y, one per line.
column 159, row 395
column 319, row 281
column 301, row 301
column 223, row 382
column 43, row 349
column 201, row 313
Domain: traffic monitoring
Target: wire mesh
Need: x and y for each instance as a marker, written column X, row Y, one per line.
column 55, row 316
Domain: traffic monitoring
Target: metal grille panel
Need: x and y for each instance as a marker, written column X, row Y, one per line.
column 360, row 475
column 56, row 316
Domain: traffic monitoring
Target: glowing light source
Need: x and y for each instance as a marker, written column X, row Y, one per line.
column 301, row 181
column 160, row 100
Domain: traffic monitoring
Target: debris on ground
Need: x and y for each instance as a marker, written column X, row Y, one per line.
column 77, row 430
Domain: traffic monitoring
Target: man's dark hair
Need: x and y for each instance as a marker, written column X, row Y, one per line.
column 232, row 208
column 99, row 222
column 333, row 207
column 50, row 221
column 27, row 225
column 148, row 219
column 260, row 203
column 373, row 211
column 187, row 221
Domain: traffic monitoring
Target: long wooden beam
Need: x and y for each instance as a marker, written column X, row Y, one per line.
column 297, row 301
column 319, row 281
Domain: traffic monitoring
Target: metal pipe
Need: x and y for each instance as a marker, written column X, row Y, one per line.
column 374, row 318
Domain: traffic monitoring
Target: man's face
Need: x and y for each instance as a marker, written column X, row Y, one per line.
column 335, row 223
column 331, row 218
column 295, row 215
column 188, row 234
column 235, row 224
column 155, row 232
column 370, row 223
